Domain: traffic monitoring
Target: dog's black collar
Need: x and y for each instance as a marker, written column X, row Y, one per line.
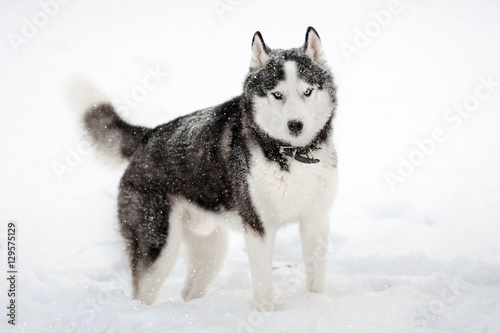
column 301, row 154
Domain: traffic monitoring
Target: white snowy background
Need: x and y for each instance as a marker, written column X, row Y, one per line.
column 422, row 255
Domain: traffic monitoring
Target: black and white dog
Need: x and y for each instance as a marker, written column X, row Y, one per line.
column 260, row 161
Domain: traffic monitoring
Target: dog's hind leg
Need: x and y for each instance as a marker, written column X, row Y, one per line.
column 206, row 253
column 152, row 240
column 151, row 279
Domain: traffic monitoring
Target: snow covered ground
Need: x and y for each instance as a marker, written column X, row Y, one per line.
column 415, row 240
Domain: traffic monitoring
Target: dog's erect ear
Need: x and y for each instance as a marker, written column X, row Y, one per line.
column 259, row 52
column 313, row 48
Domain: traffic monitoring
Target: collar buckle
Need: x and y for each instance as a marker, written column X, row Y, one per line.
column 301, row 154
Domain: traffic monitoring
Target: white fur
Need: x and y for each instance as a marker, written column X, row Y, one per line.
column 305, row 195
column 205, row 235
column 284, row 197
column 272, row 115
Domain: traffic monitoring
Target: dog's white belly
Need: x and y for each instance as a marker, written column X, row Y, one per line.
column 305, row 191
column 200, row 221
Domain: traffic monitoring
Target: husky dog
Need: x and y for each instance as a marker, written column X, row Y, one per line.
column 260, row 161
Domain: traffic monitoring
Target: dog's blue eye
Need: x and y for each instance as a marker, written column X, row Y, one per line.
column 308, row 92
column 277, row 95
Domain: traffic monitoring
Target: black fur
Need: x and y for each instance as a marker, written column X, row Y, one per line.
column 261, row 81
column 110, row 132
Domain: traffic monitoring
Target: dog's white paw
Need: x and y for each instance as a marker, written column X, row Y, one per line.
column 190, row 293
column 319, row 289
column 316, row 285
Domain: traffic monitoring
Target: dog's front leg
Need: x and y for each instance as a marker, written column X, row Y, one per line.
column 314, row 235
column 260, row 255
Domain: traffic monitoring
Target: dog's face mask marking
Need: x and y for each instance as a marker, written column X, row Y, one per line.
column 291, row 90
column 293, row 111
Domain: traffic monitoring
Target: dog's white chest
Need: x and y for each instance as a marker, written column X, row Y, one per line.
column 283, row 197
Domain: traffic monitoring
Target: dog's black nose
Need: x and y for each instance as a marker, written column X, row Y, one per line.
column 295, row 126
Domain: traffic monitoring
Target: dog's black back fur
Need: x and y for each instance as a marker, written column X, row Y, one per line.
column 201, row 157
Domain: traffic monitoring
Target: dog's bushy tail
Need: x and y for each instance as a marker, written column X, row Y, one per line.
column 109, row 133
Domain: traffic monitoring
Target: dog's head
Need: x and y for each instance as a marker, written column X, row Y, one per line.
column 291, row 91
